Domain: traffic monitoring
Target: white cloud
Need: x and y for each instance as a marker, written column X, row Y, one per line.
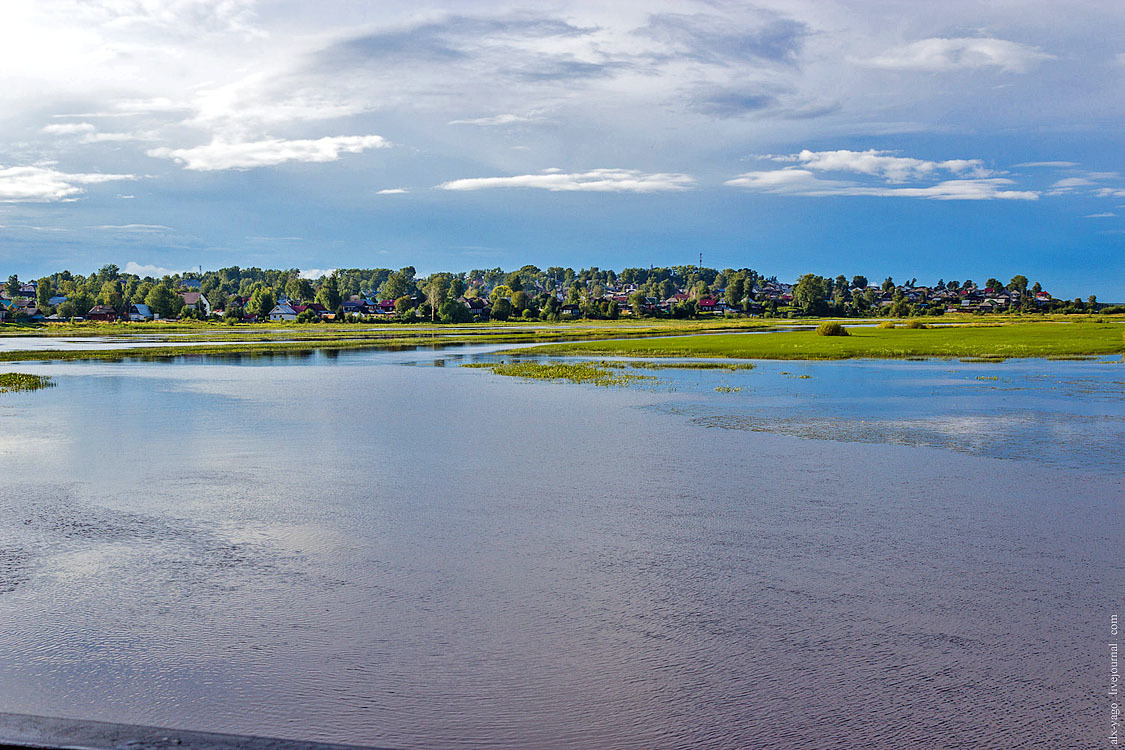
column 316, row 273
column 883, row 164
column 1110, row 193
column 88, row 133
column 392, row 191
column 1056, row 164
column 1072, row 182
column 45, row 184
column 506, row 119
column 148, row 270
column 134, row 228
column 792, row 181
column 595, row 180
column 939, row 55
column 249, row 155
column 1103, row 215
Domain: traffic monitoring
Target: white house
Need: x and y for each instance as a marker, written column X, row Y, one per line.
column 283, row 311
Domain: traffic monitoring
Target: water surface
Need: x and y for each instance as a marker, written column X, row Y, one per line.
column 362, row 547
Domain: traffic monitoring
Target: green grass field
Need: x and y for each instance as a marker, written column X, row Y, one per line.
column 1038, row 339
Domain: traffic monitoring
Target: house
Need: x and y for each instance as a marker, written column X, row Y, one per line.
column 104, row 313
column 196, row 300
column 707, row 304
column 386, row 307
column 354, row 307
column 283, row 311
column 139, row 313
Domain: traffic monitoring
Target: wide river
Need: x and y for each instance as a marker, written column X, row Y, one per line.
column 384, row 548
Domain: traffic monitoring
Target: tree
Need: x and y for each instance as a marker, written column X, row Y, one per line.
column 160, row 300
column 110, row 294
column 13, row 286
column 994, row 284
column 502, row 309
column 437, row 289
column 501, row 291
column 859, row 282
column 519, row 301
column 456, row 287
column 329, row 293
column 1018, row 284
column 453, row 311
column 736, row 290
column 888, row 284
column 404, row 306
column 810, row 294
column 297, row 289
column 43, row 294
column 262, row 301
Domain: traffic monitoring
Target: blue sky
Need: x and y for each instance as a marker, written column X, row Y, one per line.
column 946, row 140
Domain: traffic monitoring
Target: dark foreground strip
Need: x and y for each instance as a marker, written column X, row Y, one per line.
column 21, row 731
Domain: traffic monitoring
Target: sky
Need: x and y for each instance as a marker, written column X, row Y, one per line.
column 954, row 140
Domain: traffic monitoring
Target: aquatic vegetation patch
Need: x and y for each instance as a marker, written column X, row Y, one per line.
column 728, row 389
column 885, row 324
column 18, row 381
column 724, row 366
column 916, row 325
column 987, row 377
column 593, row 373
column 831, row 328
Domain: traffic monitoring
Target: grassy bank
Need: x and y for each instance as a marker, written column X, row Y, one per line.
column 1039, row 339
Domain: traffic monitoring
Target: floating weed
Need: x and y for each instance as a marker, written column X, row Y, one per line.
column 593, row 373
column 724, row 366
column 18, row 381
column 987, row 377
column 728, row 389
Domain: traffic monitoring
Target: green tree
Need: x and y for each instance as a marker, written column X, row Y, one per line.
column 329, row 293
column 810, row 294
column 262, row 301
column 43, row 294
column 994, row 284
column 859, row 282
column 160, row 300
column 456, row 287
column 502, row 309
column 736, row 290
column 110, row 294
column 404, row 306
column 1018, row 284
column 888, row 285
column 12, row 288
column 437, row 289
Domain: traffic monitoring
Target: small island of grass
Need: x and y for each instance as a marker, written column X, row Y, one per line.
column 19, row 381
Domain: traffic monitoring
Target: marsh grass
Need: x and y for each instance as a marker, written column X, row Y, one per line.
column 18, row 381
column 831, row 328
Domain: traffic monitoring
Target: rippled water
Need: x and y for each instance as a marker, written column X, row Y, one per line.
column 344, row 548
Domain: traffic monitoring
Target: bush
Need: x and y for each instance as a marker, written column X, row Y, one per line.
column 832, row 328
column 886, row 324
column 916, row 324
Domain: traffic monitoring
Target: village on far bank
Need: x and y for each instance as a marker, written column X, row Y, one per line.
column 254, row 295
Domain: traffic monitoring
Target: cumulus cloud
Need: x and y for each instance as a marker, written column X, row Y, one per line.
column 595, row 180
column 883, row 164
column 219, row 155
column 45, row 184
column 937, row 55
column 148, row 270
column 970, row 180
column 316, row 273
